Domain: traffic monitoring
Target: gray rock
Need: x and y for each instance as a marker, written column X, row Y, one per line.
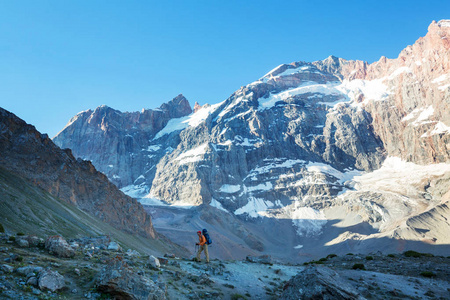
column 319, row 283
column 51, row 280
column 118, row 280
column 23, row 243
column 33, row 281
column 25, row 270
column 59, row 246
column 263, row 259
column 114, row 246
column 7, row 268
column 154, row 262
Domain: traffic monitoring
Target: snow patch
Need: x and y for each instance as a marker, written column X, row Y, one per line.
column 439, row 128
column 399, row 176
column 254, row 207
column 230, row 189
column 441, row 78
column 327, row 169
column 309, row 221
column 135, row 191
column 192, row 155
column 399, row 71
column 217, row 204
column 193, row 120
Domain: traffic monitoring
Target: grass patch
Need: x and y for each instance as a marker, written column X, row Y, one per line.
column 358, row 267
column 411, row 253
column 428, row 274
column 230, row 286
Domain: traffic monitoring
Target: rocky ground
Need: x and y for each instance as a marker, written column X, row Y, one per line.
column 98, row 268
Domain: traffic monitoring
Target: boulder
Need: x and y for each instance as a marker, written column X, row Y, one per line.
column 119, row 281
column 7, row 268
column 34, row 241
column 319, row 283
column 58, row 246
column 23, row 243
column 263, row 259
column 51, row 280
column 154, row 262
column 132, row 253
column 114, row 246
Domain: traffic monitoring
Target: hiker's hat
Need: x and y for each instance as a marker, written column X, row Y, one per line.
column 199, row 231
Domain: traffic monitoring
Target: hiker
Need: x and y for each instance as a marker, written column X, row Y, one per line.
column 202, row 246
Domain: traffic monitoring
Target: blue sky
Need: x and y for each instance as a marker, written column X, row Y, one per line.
column 58, row 58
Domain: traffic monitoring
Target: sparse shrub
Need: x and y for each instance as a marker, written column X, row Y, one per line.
column 349, row 254
column 228, row 285
column 358, row 267
column 411, row 253
column 323, row 259
column 428, row 274
column 369, row 257
column 306, row 263
column 331, row 255
column 20, row 234
column 237, row 296
column 248, row 295
column 391, row 255
column 12, row 238
column 2, row 230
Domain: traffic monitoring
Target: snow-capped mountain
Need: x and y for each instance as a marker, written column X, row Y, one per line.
column 343, row 153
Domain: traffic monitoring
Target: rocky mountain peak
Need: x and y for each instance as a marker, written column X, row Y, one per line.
column 177, row 107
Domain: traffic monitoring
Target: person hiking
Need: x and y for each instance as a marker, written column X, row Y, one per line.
column 203, row 246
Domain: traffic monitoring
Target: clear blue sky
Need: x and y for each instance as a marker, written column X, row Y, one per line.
column 58, row 58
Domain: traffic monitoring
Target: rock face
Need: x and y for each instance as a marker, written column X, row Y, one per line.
column 120, row 144
column 34, row 156
column 294, row 150
column 319, row 283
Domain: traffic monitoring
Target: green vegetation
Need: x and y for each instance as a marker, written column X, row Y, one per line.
column 350, row 253
column 237, row 296
column 369, row 257
column 2, row 230
column 323, row 259
column 358, row 267
column 411, row 253
column 20, row 234
column 331, row 255
column 428, row 274
column 12, row 238
column 391, row 255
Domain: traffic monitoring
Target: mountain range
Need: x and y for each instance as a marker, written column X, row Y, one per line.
column 312, row 158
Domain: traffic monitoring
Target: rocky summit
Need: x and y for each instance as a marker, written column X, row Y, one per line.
column 312, row 158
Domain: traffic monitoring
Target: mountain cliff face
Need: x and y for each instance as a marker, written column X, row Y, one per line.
column 307, row 144
column 33, row 156
column 119, row 144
